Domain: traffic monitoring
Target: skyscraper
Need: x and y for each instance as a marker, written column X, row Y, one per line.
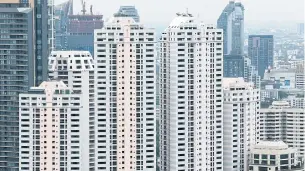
column 42, row 36
column 233, row 66
column 125, row 75
column 191, row 103
column 241, row 113
column 128, row 11
column 16, row 73
column 61, row 13
column 300, row 29
column 80, row 32
column 260, row 50
column 231, row 21
column 54, row 129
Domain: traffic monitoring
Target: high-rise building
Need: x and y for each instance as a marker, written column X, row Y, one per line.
column 80, row 32
column 191, row 99
column 76, row 70
column 54, row 129
column 300, row 29
column 61, row 13
column 241, row 113
column 251, row 73
column 260, row 51
column 300, row 77
column 233, row 66
column 231, row 21
column 42, row 36
column 273, row 156
column 128, row 11
column 16, row 73
column 125, row 58
column 51, row 26
column 282, row 122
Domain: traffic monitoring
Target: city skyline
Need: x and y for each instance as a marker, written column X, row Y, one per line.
column 208, row 11
column 164, row 86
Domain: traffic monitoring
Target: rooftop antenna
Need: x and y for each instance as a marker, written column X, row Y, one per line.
column 83, row 6
column 91, row 10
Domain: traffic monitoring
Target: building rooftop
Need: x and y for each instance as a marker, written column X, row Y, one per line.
column 274, row 145
column 280, row 104
column 227, row 83
column 70, row 60
column 182, row 19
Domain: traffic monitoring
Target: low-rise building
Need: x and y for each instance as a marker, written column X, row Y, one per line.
column 275, row 156
column 296, row 101
column 282, row 122
column 286, row 77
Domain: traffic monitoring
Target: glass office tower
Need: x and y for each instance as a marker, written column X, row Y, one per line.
column 16, row 75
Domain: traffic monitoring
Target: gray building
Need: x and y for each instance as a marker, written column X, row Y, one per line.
column 128, row 11
column 233, row 66
column 300, row 29
column 231, row 21
column 80, row 32
column 260, row 51
column 16, row 76
column 42, row 37
column 251, row 73
column 42, row 45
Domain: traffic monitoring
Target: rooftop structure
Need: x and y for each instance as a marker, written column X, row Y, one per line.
column 275, row 156
column 128, row 11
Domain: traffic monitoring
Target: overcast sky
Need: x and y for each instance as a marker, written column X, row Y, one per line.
column 161, row 12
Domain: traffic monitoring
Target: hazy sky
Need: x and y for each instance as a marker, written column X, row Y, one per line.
column 161, row 12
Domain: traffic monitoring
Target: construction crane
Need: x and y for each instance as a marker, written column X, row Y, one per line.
column 83, row 7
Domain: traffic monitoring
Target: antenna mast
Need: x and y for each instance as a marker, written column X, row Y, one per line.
column 83, row 7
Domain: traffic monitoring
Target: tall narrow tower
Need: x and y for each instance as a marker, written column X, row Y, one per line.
column 125, row 58
column 231, row 21
column 191, row 59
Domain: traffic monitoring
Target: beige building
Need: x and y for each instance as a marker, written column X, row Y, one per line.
column 53, row 131
column 125, row 75
column 275, row 156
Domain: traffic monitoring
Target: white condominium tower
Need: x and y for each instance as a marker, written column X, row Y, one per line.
column 191, row 102
column 76, row 70
column 282, row 122
column 125, row 56
column 240, row 117
column 53, row 129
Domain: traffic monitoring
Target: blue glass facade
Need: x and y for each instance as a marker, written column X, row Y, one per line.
column 61, row 13
column 233, row 66
column 260, row 50
column 231, row 21
column 41, row 40
column 16, row 76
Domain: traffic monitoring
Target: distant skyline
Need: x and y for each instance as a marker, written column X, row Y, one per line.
column 161, row 12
